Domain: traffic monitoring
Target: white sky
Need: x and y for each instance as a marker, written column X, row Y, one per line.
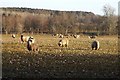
column 94, row 6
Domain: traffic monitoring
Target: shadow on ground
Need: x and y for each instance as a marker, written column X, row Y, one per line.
column 48, row 65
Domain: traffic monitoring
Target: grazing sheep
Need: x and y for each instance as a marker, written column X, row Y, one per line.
column 95, row 45
column 31, row 46
column 76, row 36
column 67, row 35
column 55, row 34
column 63, row 42
column 24, row 38
column 13, row 35
column 92, row 37
column 61, row 36
column 32, row 39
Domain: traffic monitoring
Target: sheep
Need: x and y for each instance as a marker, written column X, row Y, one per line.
column 76, row 36
column 31, row 46
column 92, row 37
column 13, row 35
column 95, row 45
column 61, row 36
column 55, row 34
column 13, row 38
column 31, row 38
column 67, row 35
column 63, row 42
column 24, row 38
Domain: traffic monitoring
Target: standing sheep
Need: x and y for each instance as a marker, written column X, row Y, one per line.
column 31, row 46
column 63, row 42
column 24, row 38
column 95, row 45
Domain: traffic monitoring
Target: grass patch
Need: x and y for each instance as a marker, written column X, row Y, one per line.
column 75, row 61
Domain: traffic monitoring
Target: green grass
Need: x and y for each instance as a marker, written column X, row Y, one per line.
column 52, row 61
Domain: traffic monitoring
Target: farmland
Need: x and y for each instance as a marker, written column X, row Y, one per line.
column 75, row 61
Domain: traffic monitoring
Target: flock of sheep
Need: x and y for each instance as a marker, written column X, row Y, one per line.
column 31, row 46
column 63, row 42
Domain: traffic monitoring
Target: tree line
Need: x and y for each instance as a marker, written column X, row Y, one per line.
column 27, row 20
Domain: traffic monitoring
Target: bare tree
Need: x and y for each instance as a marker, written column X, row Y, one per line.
column 108, row 10
column 110, row 20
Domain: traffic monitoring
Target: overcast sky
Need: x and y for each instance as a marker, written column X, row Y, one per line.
column 94, row 6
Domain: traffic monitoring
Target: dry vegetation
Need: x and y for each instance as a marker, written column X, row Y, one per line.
column 78, row 60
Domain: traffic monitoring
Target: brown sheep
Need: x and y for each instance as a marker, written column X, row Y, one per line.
column 95, row 45
column 63, row 42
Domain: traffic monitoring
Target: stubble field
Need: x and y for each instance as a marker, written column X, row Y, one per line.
column 78, row 60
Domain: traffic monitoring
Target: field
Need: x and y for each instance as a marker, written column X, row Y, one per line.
column 78, row 60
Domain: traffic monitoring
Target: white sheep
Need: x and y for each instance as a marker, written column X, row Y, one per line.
column 95, row 45
column 13, row 35
column 67, row 35
column 31, row 46
column 63, row 42
column 92, row 37
column 55, row 35
column 24, row 38
column 61, row 36
column 76, row 36
column 31, row 38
